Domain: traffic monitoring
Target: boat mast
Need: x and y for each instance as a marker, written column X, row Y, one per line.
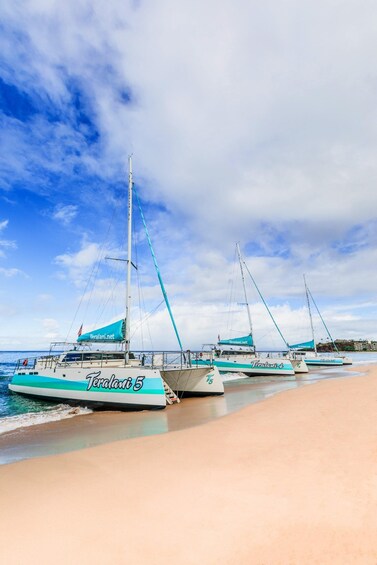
column 310, row 314
column 266, row 305
column 129, row 264
column 323, row 322
column 244, row 289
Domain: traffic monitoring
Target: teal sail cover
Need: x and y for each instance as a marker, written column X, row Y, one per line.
column 246, row 340
column 113, row 332
column 304, row 345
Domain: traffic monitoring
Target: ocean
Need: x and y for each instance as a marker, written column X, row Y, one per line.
column 17, row 411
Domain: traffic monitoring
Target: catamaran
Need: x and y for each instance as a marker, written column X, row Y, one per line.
column 239, row 355
column 113, row 379
column 309, row 348
column 296, row 358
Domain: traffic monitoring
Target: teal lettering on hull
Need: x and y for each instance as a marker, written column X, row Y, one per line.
column 257, row 365
column 324, row 361
column 149, row 385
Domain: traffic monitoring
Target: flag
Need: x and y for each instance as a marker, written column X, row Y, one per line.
column 80, row 331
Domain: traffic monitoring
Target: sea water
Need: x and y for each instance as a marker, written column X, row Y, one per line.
column 18, row 411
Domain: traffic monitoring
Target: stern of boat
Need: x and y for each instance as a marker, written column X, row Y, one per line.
column 299, row 366
column 194, row 381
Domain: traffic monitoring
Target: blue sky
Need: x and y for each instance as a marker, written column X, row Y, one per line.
column 255, row 124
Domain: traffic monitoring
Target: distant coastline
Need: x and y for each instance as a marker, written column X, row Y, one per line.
column 360, row 345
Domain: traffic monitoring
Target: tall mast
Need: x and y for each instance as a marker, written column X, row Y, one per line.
column 244, row 289
column 310, row 314
column 323, row 321
column 266, row 305
column 129, row 264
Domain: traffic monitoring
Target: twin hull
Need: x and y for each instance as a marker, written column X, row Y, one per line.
column 198, row 381
column 299, row 365
column 134, row 388
column 324, row 361
column 126, row 388
column 249, row 366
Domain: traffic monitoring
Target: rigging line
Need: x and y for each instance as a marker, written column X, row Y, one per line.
column 244, row 287
column 265, row 303
column 142, row 304
column 105, row 304
column 96, row 264
column 231, row 292
column 99, row 262
column 144, row 310
column 81, row 300
column 147, row 316
column 323, row 321
column 158, row 273
column 310, row 314
column 105, row 299
column 139, row 295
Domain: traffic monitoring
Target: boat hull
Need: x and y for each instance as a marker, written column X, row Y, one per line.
column 324, row 362
column 299, row 366
column 121, row 388
column 195, row 381
column 347, row 360
column 258, row 367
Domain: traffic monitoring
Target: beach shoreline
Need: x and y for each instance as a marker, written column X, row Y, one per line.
column 99, row 427
column 288, row 480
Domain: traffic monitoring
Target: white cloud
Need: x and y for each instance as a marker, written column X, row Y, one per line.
column 65, row 214
column 5, row 243
column 79, row 264
column 8, row 244
column 44, row 297
column 12, row 272
column 253, row 123
column 50, row 328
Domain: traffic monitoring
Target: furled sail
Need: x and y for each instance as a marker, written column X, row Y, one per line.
column 304, row 345
column 113, row 333
column 246, row 340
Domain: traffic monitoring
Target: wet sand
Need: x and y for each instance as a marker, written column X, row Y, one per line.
column 291, row 480
column 103, row 427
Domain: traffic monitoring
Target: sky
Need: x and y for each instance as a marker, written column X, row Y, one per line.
column 248, row 122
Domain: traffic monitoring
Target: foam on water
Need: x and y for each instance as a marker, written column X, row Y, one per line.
column 59, row 412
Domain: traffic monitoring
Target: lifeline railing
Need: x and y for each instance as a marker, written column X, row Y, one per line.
column 85, row 358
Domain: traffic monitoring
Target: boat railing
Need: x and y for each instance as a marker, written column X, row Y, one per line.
column 81, row 359
column 34, row 363
column 203, row 355
column 25, row 364
column 168, row 359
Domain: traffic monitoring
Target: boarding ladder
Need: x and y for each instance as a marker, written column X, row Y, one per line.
column 171, row 397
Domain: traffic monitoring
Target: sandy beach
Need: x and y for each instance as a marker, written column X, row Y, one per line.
column 290, row 480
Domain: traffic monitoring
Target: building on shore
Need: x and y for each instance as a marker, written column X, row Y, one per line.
column 348, row 345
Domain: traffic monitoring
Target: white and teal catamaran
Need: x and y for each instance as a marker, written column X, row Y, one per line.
column 238, row 355
column 113, row 378
column 309, row 348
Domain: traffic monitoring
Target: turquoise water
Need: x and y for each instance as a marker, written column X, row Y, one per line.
column 14, row 404
column 18, row 411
